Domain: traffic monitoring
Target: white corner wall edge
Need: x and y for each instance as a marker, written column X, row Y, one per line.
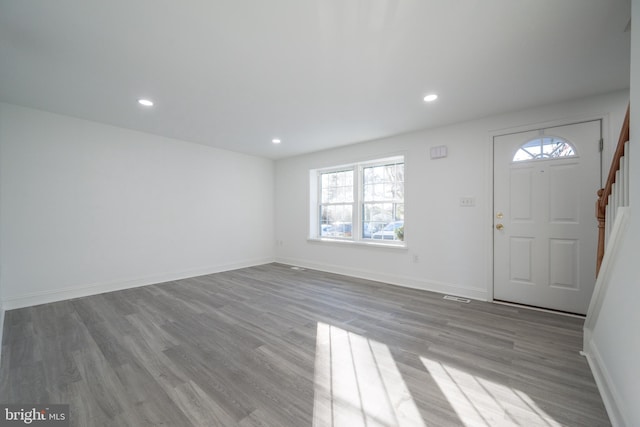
column 599, row 370
column 606, row 268
column 404, row 281
column 604, row 382
column 37, row 298
column 1, row 327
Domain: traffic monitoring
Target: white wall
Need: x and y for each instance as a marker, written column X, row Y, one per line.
column 453, row 244
column 87, row 207
column 614, row 347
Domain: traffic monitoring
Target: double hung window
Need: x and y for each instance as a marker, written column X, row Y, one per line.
column 361, row 202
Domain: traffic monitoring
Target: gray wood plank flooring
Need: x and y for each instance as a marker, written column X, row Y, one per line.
column 272, row 346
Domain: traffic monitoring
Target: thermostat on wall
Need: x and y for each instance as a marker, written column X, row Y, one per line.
column 438, row 152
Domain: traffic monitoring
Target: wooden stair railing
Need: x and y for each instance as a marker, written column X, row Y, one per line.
column 604, row 194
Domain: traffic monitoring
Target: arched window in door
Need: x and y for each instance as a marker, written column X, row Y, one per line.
column 543, row 148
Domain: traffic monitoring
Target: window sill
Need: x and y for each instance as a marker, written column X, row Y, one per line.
column 341, row 242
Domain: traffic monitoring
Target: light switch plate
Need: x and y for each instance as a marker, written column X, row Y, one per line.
column 438, row 152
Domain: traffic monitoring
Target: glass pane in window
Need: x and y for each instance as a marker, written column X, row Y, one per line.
column 398, row 191
column 367, row 175
column 391, row 231
column 400, row 172
column 378, row 192
column 382, row 221
column 384, row 183
column 337, row 187
column 336, row 220
column 369, row 193
column 544, row 148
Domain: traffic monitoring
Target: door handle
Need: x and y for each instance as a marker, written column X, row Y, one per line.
column 499, row 226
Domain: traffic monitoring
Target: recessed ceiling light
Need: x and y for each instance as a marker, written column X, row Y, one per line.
column 431, row 97
column 145, row 102
column 276, row 141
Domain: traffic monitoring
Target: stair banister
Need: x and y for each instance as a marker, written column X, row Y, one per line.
column 606, row 194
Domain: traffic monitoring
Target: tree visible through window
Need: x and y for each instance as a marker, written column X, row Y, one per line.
column 547, row 147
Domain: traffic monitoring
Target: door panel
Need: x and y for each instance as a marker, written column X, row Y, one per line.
column 564, row 201
column 544, row 253
column 521, row 195
column 521, row 259
column 563, row 263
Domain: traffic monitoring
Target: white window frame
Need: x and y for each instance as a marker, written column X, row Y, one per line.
column 315, row 204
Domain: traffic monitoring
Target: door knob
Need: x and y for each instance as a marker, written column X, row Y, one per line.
column 499, row 226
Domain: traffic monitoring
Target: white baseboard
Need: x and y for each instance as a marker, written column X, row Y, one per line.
column 405, row 281
column 36, row 298
column 606, row 386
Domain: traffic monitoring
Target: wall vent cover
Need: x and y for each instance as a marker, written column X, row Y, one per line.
column 458, row 299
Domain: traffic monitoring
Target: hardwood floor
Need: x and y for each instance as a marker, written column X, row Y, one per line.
column 272, row 346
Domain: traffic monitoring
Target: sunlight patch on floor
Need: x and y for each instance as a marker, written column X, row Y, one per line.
column 357, row 383
column 480, row 402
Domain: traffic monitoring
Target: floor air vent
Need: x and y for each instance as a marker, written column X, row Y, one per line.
column 458, row 299
column 297, row 268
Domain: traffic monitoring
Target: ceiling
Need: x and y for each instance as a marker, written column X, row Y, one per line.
column 317, row 74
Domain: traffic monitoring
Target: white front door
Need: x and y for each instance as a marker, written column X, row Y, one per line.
column 545, row 230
